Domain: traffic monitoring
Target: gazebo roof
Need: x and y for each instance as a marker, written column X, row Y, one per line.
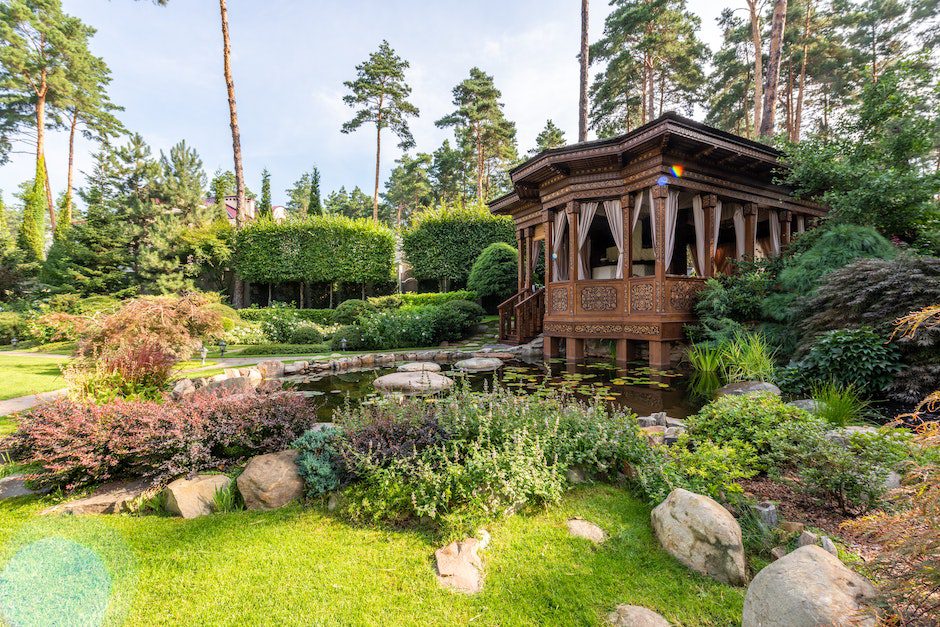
column 671, row 132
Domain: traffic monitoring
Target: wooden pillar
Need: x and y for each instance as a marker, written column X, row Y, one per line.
column 750, row 231
column 520, row 247
column 574, row 349
column 549, row 245
column 710, row 204
column 626, row 204
column 660, row 354
column 530, row 258
column 660, row 192
column 786, row 232
column 573, row 252
column 626, row 351
column 552, row 347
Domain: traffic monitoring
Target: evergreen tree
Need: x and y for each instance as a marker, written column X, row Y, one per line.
column 42, row 47
column 182, row 184
column 550, row 137
column 264, row 210
column 315, row 204
column 409, row 186
column 380, row 95
column 12, row 276
column 354, row 204
column 64, row 219
column 32, row 227
column 450, row 180
column 481, row 127
column 654, row 62
column 298, row 195
column 731, row 82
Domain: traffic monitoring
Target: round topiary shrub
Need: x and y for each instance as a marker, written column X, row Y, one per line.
column 353, row 336
column 455, row 320
column 495, row 271
column 349, row 311
column 305, row 333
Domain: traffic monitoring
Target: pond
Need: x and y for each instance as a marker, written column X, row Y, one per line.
column 637, row 387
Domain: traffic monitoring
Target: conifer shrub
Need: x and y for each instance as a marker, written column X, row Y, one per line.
column 12, row 325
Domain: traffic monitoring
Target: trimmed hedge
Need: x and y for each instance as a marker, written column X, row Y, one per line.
column 434, row 299
column 320, row 316
column 443, row 243
column 283, row 349
column 317, row 249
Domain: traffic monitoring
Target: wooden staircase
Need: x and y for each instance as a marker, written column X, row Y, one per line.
column 520, row 316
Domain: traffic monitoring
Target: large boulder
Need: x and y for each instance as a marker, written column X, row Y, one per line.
column 701, row 534
column 111, row 498
column 413, row 383
column 271, row 368
column 806, row 588
column 232, row 385
column 741, row 388
column 182, row 389
column 635, row 616
column 843, row 435
column 479, row 364
column 420, row 366
column 459, row 567
column 191, row 498
column 271, row 481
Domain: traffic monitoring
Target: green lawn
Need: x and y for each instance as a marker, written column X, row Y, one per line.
column 305, row 566
column 29, row 375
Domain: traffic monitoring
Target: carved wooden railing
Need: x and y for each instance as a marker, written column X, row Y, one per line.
column 521, row 316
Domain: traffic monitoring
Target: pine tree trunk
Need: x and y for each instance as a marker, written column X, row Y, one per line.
column 378, row 156
column 238, row 299
column 798, row 122
column 758, row 62
column 68, row 188
column 777, row 26
column 479, row 164
column 585, row 62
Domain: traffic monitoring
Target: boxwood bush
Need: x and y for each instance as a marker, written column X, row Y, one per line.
column 12, row 325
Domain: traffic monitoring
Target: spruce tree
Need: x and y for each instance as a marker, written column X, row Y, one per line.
column 315, row 204
column 550, row 137
column 264, row 210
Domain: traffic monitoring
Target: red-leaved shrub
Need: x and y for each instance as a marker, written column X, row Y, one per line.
column 79, row 443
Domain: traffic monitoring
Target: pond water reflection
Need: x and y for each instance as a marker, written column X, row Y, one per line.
column 635, row 386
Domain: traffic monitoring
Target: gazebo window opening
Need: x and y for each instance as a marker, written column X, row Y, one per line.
column 600, row 239
column 560, row 238
column 643, row 250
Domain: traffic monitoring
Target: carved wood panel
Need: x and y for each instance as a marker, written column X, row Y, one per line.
column 559, row 299
column 641, row 297
column 599, row 298
column 682, row 295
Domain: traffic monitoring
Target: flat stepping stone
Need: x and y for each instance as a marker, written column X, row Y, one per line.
column 580, row 528
column 459, row 567
column 635, row 616
column 479, row 364
column 14, row 486
column 110, row 498
column 420, row 366
column 410, row 383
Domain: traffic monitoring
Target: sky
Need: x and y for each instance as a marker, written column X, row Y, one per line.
column 289, row 60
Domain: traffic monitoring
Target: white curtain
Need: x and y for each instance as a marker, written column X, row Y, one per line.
column 615, row 220
column 698, row 217
column 773, row 217
column 800, row 224
column 717, row 227
column 559, row 261
column 637, row 208
column 588, row 209
column 652, row 219
column 672, row 214
column 739, row 232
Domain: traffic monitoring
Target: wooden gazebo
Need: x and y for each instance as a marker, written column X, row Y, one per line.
column 630, row 228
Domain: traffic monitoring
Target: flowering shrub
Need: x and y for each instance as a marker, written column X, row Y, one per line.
column 472, row 457
column 75, row 444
